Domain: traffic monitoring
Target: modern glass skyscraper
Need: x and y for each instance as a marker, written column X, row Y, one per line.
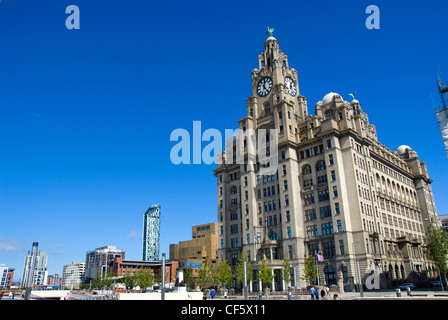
column 151, row 233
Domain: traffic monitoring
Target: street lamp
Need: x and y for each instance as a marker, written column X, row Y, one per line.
column 361, row 290
column 163, row 276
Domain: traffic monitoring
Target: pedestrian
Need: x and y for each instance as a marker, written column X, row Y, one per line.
column 10, row 295
column 328, row 291
column 312, row 292
column 322, row 293
column 335, row 296
column 67, row 297
column 212, row 294
column 225, row 294
column 316, row 293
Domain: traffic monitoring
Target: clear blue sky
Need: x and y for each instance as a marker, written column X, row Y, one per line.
column 86, row 115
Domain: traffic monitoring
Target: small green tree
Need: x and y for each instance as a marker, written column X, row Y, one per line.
column 188, row 277
column 107, row 281
column 437, row 247
column 144, row 278
column 310, row 271
column 240, row 269
column 286, row 272
column 266, row 275
column 224, row 273
column 128, row 280
column 205, row 274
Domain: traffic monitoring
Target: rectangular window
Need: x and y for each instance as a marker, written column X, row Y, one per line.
column 327, row 228
column 323, row 195
column 329, row 249
column 309, row 198
column 339, row 225
column 333, row 175
column 329, row 144
column 310, row 214
column 335, row 191
column 311, row 231
column 341, row 247
column 325, row 211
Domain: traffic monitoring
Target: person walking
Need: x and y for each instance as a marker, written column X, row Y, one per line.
column 316, row 293
column 312, row 292
column 212, row 294
column 323, row 293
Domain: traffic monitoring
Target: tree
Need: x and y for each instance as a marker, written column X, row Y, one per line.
column 107, row 281
column 437, row 246
column 205, row 274
column 240, row 269
column 144, row 278
column 128, row 280
column 266, row 275
column 188, row 277
column 224, row 273
column 286, row 272
column 310, row 270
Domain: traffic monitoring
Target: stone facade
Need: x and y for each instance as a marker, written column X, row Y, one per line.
column 338, row 191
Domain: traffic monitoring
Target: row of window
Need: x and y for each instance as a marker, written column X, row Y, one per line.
column 326, row 229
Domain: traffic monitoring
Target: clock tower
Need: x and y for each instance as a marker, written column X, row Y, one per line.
column 257, row 211
column 275, row 94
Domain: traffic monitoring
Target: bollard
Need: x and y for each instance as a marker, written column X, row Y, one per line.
column 398, row 292
column 260, row 295
column 408, row 290
column 289, row 295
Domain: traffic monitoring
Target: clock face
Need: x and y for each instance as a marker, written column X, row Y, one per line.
column 290, row 85
column 264, row 87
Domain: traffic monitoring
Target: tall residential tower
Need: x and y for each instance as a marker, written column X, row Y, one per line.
column 151, row 233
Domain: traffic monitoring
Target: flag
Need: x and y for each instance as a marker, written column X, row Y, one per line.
column 319, row 257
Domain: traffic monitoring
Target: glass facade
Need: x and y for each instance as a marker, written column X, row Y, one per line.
column 151, row 233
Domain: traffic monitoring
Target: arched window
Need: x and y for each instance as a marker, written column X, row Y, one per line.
column 306, row 169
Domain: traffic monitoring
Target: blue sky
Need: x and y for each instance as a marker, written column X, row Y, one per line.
column 86, row 115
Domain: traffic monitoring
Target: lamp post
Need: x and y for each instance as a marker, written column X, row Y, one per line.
column 163, row 277
column 245, row 280
column 361, row 290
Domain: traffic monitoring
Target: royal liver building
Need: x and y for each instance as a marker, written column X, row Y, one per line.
column 338, row 192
